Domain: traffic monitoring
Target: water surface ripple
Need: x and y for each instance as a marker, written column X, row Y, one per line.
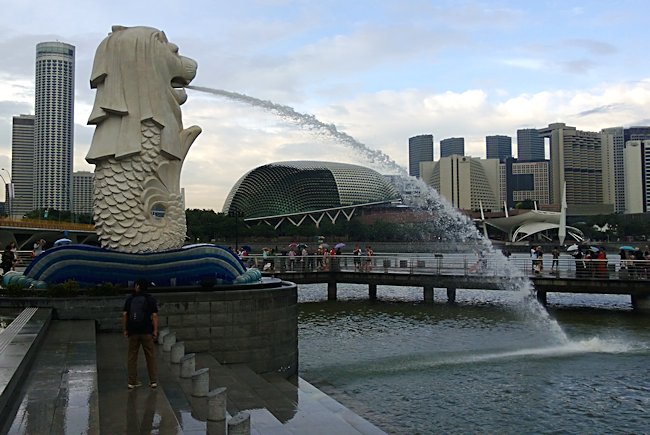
column 478, row 366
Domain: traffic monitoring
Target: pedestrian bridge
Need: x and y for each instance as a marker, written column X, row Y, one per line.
column 27, row 231
column 452, row 272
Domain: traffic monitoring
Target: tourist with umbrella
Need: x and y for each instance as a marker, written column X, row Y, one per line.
column 573, row 248
column 62, row 242
column 601, row 266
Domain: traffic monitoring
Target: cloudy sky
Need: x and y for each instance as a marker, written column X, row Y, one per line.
column 380, row 71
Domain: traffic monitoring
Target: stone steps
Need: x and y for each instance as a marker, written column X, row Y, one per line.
column 60, row 394
column 276, row 405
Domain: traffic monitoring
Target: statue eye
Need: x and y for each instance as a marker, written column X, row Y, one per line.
column 173, row 47
column 158, row 211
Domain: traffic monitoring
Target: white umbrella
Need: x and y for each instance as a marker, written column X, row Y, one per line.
column 63, row 241
column 572, row 248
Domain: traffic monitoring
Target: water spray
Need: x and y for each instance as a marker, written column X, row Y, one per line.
column 447, row 218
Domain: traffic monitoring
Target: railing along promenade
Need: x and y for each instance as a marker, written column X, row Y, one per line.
column 460, row 271
column 44, row 224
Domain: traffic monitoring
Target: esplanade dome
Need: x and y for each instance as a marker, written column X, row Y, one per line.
column 295, row 187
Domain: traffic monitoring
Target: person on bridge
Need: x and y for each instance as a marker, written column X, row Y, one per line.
column 39, row 246
column 7, row 260
column 555, row 266
column 601, row 266
column 140, row 324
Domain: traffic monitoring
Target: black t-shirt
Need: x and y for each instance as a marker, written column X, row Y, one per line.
column 149, row 306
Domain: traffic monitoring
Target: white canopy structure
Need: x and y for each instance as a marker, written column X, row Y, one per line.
column 524, row 225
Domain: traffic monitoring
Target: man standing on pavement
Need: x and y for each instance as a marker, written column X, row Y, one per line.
column 140, row 325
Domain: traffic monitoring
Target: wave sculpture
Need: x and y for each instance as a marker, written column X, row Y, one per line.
column 139, row 143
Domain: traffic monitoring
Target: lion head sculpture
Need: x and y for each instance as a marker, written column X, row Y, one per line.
column 139, row 76
column 139, row 143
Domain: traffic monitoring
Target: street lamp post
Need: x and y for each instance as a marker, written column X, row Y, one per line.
column 9, row 190
column 236, row 214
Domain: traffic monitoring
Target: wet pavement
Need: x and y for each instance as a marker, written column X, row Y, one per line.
column 139, row 411
column 78, row 385
column 59, row 396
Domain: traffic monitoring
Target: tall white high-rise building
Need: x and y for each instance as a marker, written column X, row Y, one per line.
column 612, row 143
column 53, row 126
column 636, row 158
column 22, row 165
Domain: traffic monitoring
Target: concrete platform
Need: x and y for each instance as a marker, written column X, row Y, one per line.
column 78, row 384
column 59, row 396
column 19, row 344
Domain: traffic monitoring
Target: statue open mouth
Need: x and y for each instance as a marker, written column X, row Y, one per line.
column 179, row 82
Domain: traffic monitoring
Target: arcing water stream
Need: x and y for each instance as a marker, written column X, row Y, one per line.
column 447, row 219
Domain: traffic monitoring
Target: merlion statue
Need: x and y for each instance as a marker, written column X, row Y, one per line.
column 139, row 143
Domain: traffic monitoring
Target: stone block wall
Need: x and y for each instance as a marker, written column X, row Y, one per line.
column 254, row 326
column 257, row 327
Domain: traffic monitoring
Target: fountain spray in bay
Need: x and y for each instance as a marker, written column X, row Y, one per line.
column 448, row 220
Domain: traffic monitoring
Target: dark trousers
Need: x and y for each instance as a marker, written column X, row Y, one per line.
column 146, row 341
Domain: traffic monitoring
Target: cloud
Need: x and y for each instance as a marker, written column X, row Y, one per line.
column 607, row 108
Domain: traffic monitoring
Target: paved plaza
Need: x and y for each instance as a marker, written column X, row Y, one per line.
column 77, row 384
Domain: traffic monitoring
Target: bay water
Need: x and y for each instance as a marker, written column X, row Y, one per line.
column 482, row 365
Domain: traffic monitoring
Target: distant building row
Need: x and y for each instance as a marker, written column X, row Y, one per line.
column 42, row 144
column 604, row 172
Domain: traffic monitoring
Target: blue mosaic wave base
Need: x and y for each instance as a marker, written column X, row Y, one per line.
column 90, row 265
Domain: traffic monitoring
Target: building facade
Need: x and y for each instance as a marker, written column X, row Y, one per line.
column 466, row 182
column 302, row 187
column 521, row 181
column 613, row 143
column 22, row 166
column 636, row 158
column 82, row 192
column 576, row 159
column 420, row 150
column 452, row 146
column 530, row 145
column 53, row 126
column 498, row 147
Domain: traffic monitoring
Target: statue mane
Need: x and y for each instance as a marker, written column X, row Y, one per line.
column 133, row 72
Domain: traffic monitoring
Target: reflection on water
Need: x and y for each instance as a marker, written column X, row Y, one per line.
column 6, row 319
column 478, row 366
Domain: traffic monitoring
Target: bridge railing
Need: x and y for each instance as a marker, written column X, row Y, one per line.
column 455, row 264
column 45, row 224
column 443, row 264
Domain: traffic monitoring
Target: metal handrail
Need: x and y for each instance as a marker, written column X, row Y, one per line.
column 456, row 264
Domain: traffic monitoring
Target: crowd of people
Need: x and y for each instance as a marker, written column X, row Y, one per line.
column 10, row 258
column 299, row 257
column 635, row 262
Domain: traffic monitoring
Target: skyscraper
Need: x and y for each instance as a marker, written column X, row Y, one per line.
column 82, row 192
column 636, row 157
column 530, row 145
column 53, row 125
column 451, row 146
column 498, row 147
column 612, row 143
column 420, row 150
column 576, row 158
column 22, row 164
column 521, row 181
